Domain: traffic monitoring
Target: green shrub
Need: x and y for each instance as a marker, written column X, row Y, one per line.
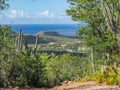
column 19, row 69
column 109, row 75
column 65, row 67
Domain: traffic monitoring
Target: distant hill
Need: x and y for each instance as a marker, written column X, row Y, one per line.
column 49, row 36
column 49, row 33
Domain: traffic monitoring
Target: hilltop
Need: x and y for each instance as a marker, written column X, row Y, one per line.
column 48, row 37
column 50, row 41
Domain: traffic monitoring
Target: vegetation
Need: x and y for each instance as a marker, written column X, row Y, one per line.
column 101, row 33
column 21, row 65
column 53, row 41
column 3, row 4
column 24, row 66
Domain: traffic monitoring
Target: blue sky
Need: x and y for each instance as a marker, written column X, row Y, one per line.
column 36, row 12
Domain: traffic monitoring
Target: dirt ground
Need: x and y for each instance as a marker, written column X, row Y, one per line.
column 75, row 86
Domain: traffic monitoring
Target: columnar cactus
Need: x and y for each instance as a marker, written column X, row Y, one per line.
column 24, row 46
column 19, row 40
column 36, row 44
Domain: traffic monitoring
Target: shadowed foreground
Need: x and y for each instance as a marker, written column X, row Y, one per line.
column 75, row 86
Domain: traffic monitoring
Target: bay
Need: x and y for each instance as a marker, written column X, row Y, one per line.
column 63, row 29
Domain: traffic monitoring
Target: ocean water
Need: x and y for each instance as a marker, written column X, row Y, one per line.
column 63, row 29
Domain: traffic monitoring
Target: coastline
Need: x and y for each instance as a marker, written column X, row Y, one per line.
column 63, row 29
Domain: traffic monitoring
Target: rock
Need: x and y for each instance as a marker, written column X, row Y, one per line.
column 10, row 86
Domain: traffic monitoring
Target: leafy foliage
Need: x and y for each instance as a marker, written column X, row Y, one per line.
column 98, row 34
column 3, row 4
column 26, row 69
column 101, row 34
column 20, row 66
column 108, row 76
column 66, row 67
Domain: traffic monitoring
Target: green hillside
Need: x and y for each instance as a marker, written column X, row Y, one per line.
column 48, row 37
column 53, row 41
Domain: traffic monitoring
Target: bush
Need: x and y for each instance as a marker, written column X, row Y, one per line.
column 21, row 70
column 109, row 75
column 66, row 67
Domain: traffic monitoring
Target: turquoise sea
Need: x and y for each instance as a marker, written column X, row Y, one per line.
column 63, row 29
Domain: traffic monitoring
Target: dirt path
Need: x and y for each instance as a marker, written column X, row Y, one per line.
column 76, row 86
column 85, row 86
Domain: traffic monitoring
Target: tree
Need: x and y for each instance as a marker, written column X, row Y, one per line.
column 111, row 13
column 100, row 32
column 101, row 15
column 3, row 4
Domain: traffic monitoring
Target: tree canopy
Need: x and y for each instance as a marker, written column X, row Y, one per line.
column 102, row 32
column 3, row 4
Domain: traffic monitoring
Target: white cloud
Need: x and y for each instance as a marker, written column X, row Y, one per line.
column 17, row 14
column 45, row 14
column 14, row 14
column 48, row 14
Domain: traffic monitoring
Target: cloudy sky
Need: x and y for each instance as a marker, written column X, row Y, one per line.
column 36, row 12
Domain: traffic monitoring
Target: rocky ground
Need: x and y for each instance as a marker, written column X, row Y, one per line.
column 75, row 86
column 85, row 86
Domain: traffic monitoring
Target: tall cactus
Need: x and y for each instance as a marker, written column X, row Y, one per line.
column 36, row 44
column 19, row 40
column 24, row 46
